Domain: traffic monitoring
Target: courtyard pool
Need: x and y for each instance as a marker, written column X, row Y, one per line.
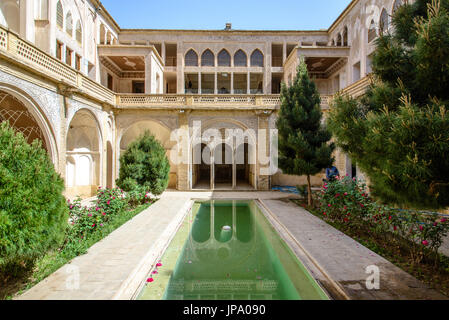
column 228, row 250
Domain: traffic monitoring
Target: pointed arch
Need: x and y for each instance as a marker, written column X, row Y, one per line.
column 372, row 33
column 69, row 24
column 257, row 58
column 79, row 32
column 191, row 58
column 240, row 59
column 224, row 58
column 345, row 36
column 396, row 5
column 339, row 40
column 207, row 59
column 60, row 15
column 384, row 22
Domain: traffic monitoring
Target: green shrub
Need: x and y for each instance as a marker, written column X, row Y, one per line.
column 144, row 164
column 33, row 212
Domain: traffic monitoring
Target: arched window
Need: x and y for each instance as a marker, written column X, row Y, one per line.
column 396, row 5
column 372, row 34
column 345, row 37
column 207, row 59
column 224, row 59
column 59, row 15
column 257, row 58
column 79, row 32
column 383, row 23
column 191, row 59
column 69, row 24
column 339, row 43
column 240, row 59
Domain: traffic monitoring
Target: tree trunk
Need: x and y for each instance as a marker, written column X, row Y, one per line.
column 309, row 192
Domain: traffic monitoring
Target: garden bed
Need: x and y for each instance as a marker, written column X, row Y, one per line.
column 88, row 225
column 407, row 238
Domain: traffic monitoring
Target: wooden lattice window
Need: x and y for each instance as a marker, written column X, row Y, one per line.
column 191, row 58
column 383, row 23
column 257, row 59
column 79, row 32
column 59, row 15
column 207, row 59
column 69, row 24
column 224, row 59
column 240, row 59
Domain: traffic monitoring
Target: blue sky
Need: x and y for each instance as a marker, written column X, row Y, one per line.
column 213, row 14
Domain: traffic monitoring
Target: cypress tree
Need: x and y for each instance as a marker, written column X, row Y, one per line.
column 304, row 147
column 398, row 133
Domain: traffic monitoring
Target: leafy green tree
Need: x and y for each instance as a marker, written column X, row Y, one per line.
column 398, row 133
column 304, row 147
column 144, row 165
column 33, row 211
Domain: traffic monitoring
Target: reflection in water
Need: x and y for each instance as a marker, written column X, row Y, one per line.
column 229, row 255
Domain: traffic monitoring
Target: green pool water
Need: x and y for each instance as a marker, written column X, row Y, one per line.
column 227, row 250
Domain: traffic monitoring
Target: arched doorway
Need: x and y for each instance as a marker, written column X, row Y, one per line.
column 161, row 133
column 223, row 166
column 109, row 166
column 201, row 173
column 226, row 157
column 25, row 117
column 83, row 155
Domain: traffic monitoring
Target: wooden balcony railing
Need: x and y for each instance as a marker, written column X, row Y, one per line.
column 19, row 51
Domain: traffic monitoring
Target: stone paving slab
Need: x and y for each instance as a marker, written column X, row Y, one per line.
column 108, row 270
column 344, row 260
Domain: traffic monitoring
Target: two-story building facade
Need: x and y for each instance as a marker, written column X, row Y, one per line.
column 70, row 76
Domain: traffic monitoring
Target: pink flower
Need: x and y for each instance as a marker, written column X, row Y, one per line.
column 89, row 215
column 101, row 224
column 421, row 228
column 155, row 272
column 395, row 228
column 345, row 208
column 159, row 264
column 93, row 225
column 97, row 209
column 109, row 202
column 329, row 205
column 346, row 193
column 425, row 242
column 443, row 220
column 324, row 213
column 390, row 217
column 150, row 280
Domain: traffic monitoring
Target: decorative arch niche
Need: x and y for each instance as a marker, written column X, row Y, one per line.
column 83, row 158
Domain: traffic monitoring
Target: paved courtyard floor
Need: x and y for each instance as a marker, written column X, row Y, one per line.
column 115, row 267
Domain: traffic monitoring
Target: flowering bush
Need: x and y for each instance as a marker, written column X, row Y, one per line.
column 346, row 201
column 84, row 220
column 110, row 201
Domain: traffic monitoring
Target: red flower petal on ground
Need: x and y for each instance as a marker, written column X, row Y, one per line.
column 159, row 264
column 150, row 280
